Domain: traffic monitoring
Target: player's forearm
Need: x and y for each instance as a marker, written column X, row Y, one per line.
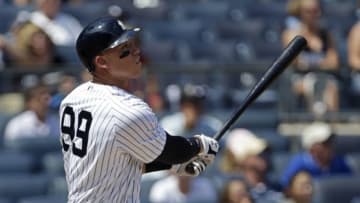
column 156, row 166
column 178, row 150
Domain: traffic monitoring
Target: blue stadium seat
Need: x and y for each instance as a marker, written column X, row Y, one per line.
column 8, row 15
column 86, row 12
column 347, row 144
column 355, row 200
column 182, row 30
column 45, row 199
column 5, row 200
column 337, row 189
column 35, row 145
column 68, row 54
column 164, row 53
column 214, row 10
column 354, row 161
column 4, row 118
column 53, row 164
column 15, row 162
column 22, row 185
column 57, row 186
column 250, row 30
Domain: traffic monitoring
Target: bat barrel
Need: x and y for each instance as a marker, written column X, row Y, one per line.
column 278, row 66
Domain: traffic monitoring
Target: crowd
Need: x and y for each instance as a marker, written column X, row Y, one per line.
column 242, row 170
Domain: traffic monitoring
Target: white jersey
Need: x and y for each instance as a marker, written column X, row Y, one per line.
column 107, row 135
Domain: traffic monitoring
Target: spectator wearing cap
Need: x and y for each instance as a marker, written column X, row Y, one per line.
column 248, row 155
column 191, row 117
column 319, row 158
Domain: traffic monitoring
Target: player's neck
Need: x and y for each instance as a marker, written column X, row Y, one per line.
column 123, row 84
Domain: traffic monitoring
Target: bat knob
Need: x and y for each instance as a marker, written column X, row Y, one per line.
column 190, row 169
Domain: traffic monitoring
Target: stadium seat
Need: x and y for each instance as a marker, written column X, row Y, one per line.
column 347, row 144
column 53, row 164
column 355, row 200
column 86, row 12
column 214, row 10
column 164, row 53
column 35, row 145
column 68, row 54
column 15, row 162
column 4, row 118
column 354, row 161
column 279, row 161
column 45, row 199
column 5, row 200
column 337, row 189
column 57, row 186
column 22, row 185
column 8, row 15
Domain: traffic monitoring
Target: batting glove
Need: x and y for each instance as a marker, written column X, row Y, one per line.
column 209, row 146
column 191, row 168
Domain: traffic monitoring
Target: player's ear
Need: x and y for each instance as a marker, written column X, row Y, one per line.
column 100, row 61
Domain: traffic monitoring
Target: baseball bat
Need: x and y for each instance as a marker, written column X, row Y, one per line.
column 295, row 46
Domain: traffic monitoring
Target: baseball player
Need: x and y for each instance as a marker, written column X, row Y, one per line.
column 109, row 136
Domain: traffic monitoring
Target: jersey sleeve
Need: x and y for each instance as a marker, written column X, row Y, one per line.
column 140, row 134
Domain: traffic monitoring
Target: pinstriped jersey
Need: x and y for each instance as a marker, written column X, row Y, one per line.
column 107, row 135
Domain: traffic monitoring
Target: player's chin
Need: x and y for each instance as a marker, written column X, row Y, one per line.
column 137, row 69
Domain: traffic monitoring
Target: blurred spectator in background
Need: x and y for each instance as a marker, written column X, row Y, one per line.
column 315, row 66
column 292, row 20
column 62, row 28
column 22, row 3
column 247, row 155
column 191, row 118
column 235, row 190
column 66, row 85
column 319, row 157
column 33, row 121
column 32, row 48
column 180, row 189
column 353, row 45
column 300, row 188
column 153, row 95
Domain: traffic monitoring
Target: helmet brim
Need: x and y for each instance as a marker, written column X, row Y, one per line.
column 129, row 34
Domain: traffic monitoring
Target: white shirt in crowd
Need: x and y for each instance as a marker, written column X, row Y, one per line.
column 63, row 29
column 167, row 191
column 26, row 124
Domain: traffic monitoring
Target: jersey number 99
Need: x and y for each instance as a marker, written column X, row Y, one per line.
column 84, row 120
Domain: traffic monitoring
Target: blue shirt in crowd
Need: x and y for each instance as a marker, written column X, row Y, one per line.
column 305, row 162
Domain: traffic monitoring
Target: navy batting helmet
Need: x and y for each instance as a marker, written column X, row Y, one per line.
column 101, row 34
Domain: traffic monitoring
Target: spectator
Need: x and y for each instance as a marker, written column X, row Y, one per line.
column 292, row 21
column 248, row 155
column 62, row 28
column 316, row 65
column 21, row 3
column 33, row 121
column 191, row 118
column 33, row 48
column 179, row 189
column 300, row 189
column 236, row 190
column 319, row 158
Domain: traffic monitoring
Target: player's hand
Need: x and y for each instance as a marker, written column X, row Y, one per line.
column 193, row 167
column 209, row 147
